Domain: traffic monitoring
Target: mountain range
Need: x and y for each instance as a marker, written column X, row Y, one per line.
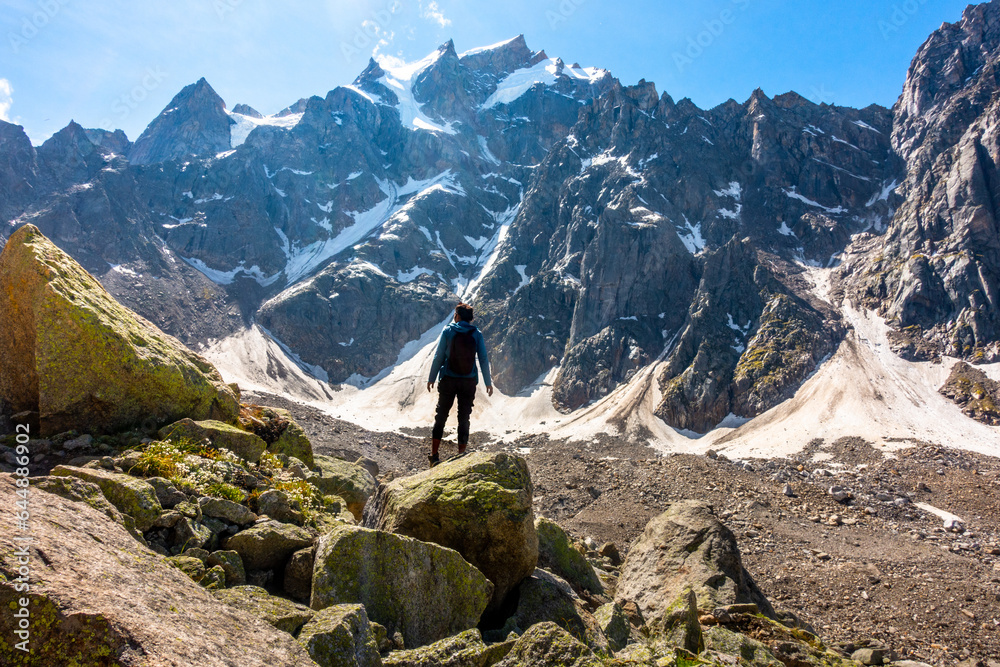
column 597, row 227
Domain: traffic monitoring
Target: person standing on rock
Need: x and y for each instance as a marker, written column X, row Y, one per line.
column 455, row 363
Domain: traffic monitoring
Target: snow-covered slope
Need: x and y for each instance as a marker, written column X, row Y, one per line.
column 862, row 390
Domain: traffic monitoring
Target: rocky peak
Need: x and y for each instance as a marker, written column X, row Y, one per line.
column 194, row 123
column 247, row 110
column 18, row 171
column 116, row 142
column 69, row 153
column 502, row 58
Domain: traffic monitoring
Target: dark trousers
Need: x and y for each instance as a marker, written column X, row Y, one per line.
column 448, row 389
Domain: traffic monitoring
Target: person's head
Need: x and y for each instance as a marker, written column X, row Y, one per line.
column 463, row 313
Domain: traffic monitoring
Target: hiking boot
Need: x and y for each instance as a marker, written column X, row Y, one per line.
column 434, row 459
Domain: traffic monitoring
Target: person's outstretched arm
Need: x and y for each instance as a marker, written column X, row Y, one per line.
column 484, row 364
column 438, row 361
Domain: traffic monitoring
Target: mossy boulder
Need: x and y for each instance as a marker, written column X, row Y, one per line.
column 750, row 651
column 230, row 511
column 478, row 505
column 246, row 445
column 189, row 565
column 293, row 441
column 82, row 360
column 611, row 619
column 545, row 597
column 231, row 564
column 557, row 554
column 341, row 636
column 466, row 649
column 297, row 582
column 334, row 477
column 547, row 644
column 686, row 549
column 129, row 495
column 283, row 614
column 268, row 545
column 78, row 490
column 422, row 590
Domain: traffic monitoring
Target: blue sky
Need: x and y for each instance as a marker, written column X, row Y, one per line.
column 117, row 63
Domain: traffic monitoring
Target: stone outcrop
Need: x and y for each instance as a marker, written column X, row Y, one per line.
column 422, row 590
column 282, row 614
column 98, row 595
column 547, row 644
column 466, row 649
column 341, row 636
column 244, row 444
column 558, row 554
column 334, row 477
column 478, row 505
column 545, row 597
column 129, row 495
column 81, row 360
column 682, row 550
column 269, row 544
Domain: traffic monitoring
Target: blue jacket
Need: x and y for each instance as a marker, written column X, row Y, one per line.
column 440, row 365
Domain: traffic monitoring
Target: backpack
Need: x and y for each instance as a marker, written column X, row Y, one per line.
column 462, row 353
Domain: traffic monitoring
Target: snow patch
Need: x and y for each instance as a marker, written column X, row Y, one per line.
column 244, row 125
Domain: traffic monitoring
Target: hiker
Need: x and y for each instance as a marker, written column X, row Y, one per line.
column 455, row 363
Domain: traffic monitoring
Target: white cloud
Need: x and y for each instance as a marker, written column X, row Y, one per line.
column 433, row 12
column 6, row 99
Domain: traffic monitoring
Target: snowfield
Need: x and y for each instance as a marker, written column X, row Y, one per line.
column 862, row 390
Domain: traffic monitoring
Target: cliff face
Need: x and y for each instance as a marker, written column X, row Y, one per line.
column 935, row 272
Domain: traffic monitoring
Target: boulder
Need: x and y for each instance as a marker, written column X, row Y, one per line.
column 191, row 534
column 98, row 592
column 129, row 495
column 246, row 445
column 168, row 494
column 547, row 644
column 293, row 441
column 268, row 544
column 686, row 548
column 341, row 636
column 299, row 573
column 214, row 579
column 192, row 567
column 283, row 614
column 220, row 508
column 275, row 504
column 424, row 591
column 466, row 649
column 77, row 490
column 545, row 597
column 231, row 564
column 334, row 477
column 479, row 505
column 611, row 619
column 557, row 554
column 82, row 360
